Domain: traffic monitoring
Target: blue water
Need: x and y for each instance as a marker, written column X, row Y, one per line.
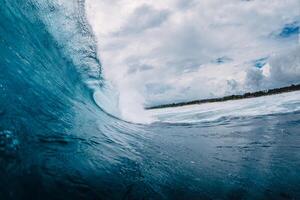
column 57, row 143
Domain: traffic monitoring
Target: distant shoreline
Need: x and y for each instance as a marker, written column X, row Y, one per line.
column 248, row 95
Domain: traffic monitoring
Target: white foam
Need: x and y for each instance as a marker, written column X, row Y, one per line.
column 281, row 103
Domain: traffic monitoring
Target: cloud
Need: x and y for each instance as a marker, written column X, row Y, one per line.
column 144, row 17
column 285, row 67
column 254, row 79
column 282, row 70
column 173, row 50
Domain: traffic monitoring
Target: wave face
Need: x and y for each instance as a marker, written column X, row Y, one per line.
column 56, row 142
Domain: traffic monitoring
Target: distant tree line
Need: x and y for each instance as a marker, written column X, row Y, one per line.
column 290, row 88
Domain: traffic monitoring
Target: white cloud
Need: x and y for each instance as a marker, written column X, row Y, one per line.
column 285, row 67
column 173, row 50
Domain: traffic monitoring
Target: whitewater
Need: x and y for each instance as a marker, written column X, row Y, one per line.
column 64, row 134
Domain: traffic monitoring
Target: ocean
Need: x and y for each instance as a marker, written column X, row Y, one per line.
column 58, row 142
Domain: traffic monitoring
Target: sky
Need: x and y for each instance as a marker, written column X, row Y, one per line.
column 156, row 52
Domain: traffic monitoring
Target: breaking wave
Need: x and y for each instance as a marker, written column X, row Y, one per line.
column 62, row 137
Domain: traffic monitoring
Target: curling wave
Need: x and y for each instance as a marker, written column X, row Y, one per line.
column 60, row 136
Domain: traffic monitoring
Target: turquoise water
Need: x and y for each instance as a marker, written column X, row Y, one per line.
column 57, row 143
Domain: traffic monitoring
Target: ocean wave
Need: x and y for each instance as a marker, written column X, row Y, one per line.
column 61, row 137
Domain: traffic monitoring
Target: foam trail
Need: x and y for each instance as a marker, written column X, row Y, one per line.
column 275, row 104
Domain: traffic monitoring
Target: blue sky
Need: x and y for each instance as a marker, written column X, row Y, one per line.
column 175, row 50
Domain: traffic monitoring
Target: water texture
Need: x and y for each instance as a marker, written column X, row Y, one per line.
column 56, row 142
